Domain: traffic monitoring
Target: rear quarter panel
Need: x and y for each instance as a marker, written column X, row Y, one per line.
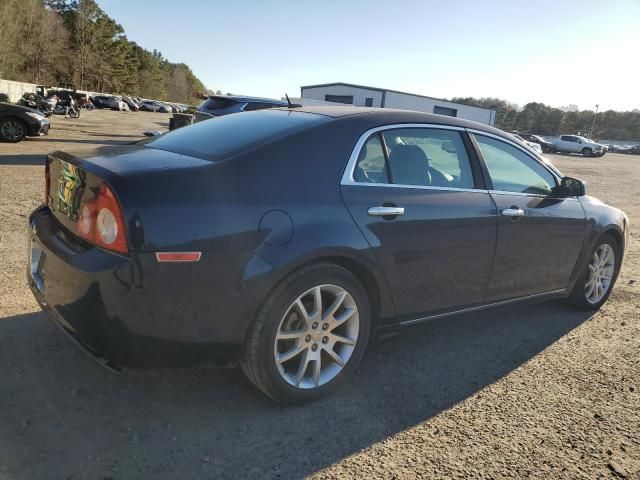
column 217, row 209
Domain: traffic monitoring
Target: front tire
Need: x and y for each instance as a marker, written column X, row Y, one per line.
column 12, row 130
column 587, row 152
column 595, row 284
column 310, row 335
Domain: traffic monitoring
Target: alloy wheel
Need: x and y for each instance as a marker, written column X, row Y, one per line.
column 12, row 130
column 316, row 336
column 600, row 274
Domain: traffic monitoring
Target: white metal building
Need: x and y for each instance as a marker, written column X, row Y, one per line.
column 362, row 96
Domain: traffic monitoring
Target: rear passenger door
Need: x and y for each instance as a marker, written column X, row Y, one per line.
column 539, row 235
column 570, row 143
column 416, row 193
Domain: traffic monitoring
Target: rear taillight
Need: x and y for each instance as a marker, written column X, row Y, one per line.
column 100, row 222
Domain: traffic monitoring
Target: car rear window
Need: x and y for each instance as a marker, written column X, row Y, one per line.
column 215, row 103
column 231, row 134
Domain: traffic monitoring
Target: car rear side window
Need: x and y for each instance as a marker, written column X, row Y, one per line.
column 429, row 157
column 371, row 166
column 512, row 170
column 231, row 134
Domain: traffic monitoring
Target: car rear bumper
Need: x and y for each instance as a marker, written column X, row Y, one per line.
column 105, row 302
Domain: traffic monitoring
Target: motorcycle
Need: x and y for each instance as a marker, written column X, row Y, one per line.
column 86, row 103
column 68, row 106
column 37, row 102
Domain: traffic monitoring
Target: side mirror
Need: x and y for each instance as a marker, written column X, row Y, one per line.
column 570, row 187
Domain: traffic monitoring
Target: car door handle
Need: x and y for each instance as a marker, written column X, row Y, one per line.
column 513, row 212
column 385, row 211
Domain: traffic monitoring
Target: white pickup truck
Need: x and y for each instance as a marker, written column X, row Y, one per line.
column 577, row 144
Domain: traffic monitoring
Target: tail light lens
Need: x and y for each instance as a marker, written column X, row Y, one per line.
column 101, row 222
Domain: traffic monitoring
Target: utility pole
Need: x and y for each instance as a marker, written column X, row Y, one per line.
column 594, row 121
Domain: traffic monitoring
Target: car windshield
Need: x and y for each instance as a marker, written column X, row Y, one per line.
column 231, row 134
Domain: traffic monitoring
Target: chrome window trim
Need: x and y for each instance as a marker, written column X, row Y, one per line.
column 347, row 176
column 416, row 187
column 542, row 163
column 530, row 195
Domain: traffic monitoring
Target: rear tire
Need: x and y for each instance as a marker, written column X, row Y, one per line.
column 585, row 292
column 587, row 152
column 296, row 356
column 12, row 130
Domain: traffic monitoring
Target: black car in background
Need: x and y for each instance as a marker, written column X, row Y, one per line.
column 286, row 238
column 546, row 145
column 217, row 105
column 18, row 122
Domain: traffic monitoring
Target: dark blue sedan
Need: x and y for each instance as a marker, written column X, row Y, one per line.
column 286, row 238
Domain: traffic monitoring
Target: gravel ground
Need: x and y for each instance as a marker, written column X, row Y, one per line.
column 540, row 391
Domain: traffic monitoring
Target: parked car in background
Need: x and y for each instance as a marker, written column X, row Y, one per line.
column 150, row 106
column 217, row 105
column 133, row 105
column 545, row 144
column 191, row 249
column 577, row 144
column 165, row 108
column 18, row 122
column 109, row 101
column 534, row 146
column 630, row 149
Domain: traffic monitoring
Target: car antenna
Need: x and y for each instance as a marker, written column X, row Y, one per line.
column 291, row 105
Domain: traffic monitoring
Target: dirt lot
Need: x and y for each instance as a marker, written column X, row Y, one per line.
column 540, row 391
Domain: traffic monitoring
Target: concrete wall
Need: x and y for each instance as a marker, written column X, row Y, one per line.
column 15, row 90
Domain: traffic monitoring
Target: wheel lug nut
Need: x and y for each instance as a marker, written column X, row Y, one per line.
column 307, row 338
column 325, row 339
column 315, row 325
column 325, row 326
column 314, row 347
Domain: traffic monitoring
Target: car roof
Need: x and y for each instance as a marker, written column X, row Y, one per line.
column 390, row 116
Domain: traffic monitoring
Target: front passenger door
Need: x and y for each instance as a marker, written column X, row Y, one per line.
column 539, row 236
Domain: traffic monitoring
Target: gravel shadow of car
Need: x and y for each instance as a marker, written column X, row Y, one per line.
column 22, row 159
column 62, row 416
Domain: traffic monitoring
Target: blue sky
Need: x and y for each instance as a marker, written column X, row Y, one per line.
column 556, row 52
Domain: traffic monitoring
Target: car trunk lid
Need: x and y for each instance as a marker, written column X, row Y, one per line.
column 73, row 181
